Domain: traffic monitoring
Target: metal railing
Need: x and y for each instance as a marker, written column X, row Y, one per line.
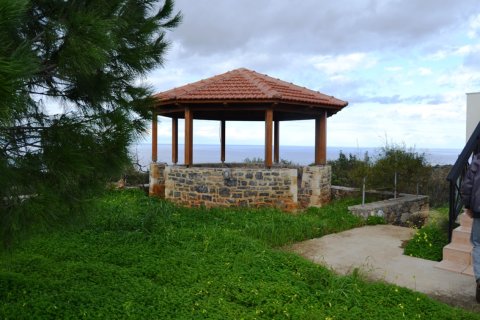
column 456, row 175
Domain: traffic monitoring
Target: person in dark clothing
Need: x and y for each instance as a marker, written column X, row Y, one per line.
column 470, row 192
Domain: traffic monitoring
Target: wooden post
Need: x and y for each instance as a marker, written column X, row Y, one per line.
column 321, row 139
column 222, row 141
column 174, row 140
column 154, row 137
column 268, row 137
column 276, row 142
column 188, row 137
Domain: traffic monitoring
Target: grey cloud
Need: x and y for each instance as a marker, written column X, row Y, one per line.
column 312, row 26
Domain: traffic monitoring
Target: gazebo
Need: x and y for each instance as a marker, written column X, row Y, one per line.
column 242, row 95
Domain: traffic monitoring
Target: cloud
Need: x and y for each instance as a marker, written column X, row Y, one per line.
column 394, row 69
column 462, row 79
column 474, row 25
column 318, row 27
column 367, row 125
column 333, row 65
column 395, row 99
column 424, row 71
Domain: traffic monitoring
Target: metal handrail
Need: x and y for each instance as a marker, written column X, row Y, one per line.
column 456, row 175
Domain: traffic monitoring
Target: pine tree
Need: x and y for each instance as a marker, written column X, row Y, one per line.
column 83, row 59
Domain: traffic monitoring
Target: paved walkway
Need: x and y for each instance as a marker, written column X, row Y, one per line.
column 377, row 252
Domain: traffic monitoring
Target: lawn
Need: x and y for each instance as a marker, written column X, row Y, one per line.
column 142, row 258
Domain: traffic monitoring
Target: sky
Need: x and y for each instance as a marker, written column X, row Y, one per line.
column 403, row 66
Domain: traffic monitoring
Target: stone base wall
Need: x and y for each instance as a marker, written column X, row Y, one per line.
column 247, row 186
column 406, row 210
column 314, row 186
column 244, row 187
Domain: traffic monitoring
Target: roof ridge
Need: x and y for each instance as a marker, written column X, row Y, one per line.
column 276, row 94
column 306, row 90
column 257, row 79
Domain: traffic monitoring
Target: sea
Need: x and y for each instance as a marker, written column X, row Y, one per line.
column 302, row 155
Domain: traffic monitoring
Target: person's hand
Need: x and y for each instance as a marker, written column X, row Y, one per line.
column 469, row 212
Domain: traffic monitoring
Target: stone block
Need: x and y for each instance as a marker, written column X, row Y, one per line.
column 206, row 197
column 224, row 192
column 201, row 188
column 230, row 182
column 250, row 193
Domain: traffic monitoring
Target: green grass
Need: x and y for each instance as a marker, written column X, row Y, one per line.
column 141, row 258
column 429, row 240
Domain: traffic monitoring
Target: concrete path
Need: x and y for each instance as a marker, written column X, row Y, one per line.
column 377, row 252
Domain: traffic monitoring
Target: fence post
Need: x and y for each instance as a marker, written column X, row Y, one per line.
column 395, row 186
column 363, row 192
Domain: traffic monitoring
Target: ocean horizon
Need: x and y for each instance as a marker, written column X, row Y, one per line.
column 302, row 155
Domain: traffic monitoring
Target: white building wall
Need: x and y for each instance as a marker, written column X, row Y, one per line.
column 473, row 112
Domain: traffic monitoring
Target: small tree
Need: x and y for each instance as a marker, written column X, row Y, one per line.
column 350, row 171
column 361, row 171
column 407, row 167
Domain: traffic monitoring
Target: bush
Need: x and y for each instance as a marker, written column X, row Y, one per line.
column 349, row 171
column 409, row 168
column 414, row 174
column 135, row 177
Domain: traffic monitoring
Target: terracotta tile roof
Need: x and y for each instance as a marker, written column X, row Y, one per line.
column 249, row 86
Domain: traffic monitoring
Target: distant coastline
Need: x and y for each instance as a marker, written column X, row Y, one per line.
column 303, row 155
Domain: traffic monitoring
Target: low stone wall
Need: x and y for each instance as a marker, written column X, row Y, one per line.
column 241, row 185
column 406, row 210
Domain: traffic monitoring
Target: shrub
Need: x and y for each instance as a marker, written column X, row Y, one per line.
column 412, row 171
column 348, row 171
column 427, row 243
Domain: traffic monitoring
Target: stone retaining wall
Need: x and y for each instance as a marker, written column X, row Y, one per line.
column 248, row 186
column 406, row 210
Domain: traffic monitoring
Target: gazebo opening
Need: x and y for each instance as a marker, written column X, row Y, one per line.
column 241, row 95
